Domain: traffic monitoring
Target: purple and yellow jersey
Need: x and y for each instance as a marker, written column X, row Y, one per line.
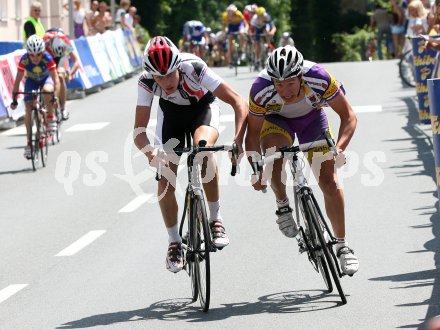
column 318, row 84
column 37, row 72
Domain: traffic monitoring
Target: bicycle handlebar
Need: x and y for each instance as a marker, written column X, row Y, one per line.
column 257, row 165
column 201, row 148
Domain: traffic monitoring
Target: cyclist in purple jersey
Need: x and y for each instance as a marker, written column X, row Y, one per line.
column 285, row 101
column 40, row 69
column 188, row 94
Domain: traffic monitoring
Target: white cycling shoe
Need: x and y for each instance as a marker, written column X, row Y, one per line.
column 174, row 259
column 219, row 237
column 285, row 221
column 348, row 261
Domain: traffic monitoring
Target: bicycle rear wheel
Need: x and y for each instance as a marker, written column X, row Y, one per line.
column 202, row 246
column 317, row 223
column 406, row 69
column 35, row 140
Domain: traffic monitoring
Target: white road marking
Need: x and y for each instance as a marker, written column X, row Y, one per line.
column 135, row 203
column 81, row 243
column 10, row 291
column 367, row 108
column 87, row 127
column 20, row 130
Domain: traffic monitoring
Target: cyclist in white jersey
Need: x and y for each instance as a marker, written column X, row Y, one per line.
column 285, row 101
column 188, row 94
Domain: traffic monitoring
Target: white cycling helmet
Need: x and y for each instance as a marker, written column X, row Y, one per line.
column 285, row 62
column 58, row 47
column 35, row 44
column 161, row 56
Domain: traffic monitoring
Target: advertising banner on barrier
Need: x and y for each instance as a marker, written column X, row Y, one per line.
column 424, row 62
column 113, row 54
column 80, row 80
column 8, row 71
column 101, row 57
column 7, row 47
column 128, row 37
column 88, row 62
column 434, row 108
column 120, row 46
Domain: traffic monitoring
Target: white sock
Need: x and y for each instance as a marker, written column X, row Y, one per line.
column 283, row 203
column 214, row 211
column 341, row 243
column 173, row 234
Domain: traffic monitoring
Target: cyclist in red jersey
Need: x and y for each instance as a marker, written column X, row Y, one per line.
column 60, row 47
column 188, row 94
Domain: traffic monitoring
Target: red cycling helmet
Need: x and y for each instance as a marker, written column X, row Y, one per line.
column 161, row 56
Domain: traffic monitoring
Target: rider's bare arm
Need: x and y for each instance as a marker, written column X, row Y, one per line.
column 348, row 119
column 225, row 93
column 140, row 131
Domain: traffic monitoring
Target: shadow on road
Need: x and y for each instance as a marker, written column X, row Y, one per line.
column 423, row 145
column 185, row 310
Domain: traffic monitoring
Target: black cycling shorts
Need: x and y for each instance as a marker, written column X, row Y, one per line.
column 175, row 121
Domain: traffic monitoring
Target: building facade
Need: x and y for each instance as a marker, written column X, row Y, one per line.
column 13, row 14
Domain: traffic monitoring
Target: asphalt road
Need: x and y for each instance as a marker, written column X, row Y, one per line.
column 83, row 244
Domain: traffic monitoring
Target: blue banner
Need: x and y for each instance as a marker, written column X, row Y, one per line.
column 130, row 40
column 3, row 110
column 424, row 62
column 434, row 108
column 7, row 47
column 88, row 62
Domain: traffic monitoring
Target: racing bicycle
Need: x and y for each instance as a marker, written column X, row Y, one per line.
column 315, row 236
column 40, row 135
column 197, row 242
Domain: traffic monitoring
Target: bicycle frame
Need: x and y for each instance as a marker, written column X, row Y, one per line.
column 197, row 244
column 315, row 236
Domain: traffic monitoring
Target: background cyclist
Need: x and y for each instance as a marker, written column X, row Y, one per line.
column 286, row 39
column 287, row 100
column 60, row 47
column 263, row 25
column 233, row 22
column 188, row 103
column 194, row 38
column 40, row 69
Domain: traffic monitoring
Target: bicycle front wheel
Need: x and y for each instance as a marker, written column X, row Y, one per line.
column 202, row 246
column 317, row 222
column 406, row 69
column 190, row 255
column 314, row 250
column 44, row 140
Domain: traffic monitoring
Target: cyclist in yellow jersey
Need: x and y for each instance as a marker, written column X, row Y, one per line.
column 233, row 22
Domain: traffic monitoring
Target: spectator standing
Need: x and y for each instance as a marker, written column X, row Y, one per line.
column 129, row 17
column 141, row 33
column 79, row 18
column 121, row 12
column 33, row 25
column 398, row 28
column 102, row 21
column 417, row 18
column 380, row 20
column 91, row 13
